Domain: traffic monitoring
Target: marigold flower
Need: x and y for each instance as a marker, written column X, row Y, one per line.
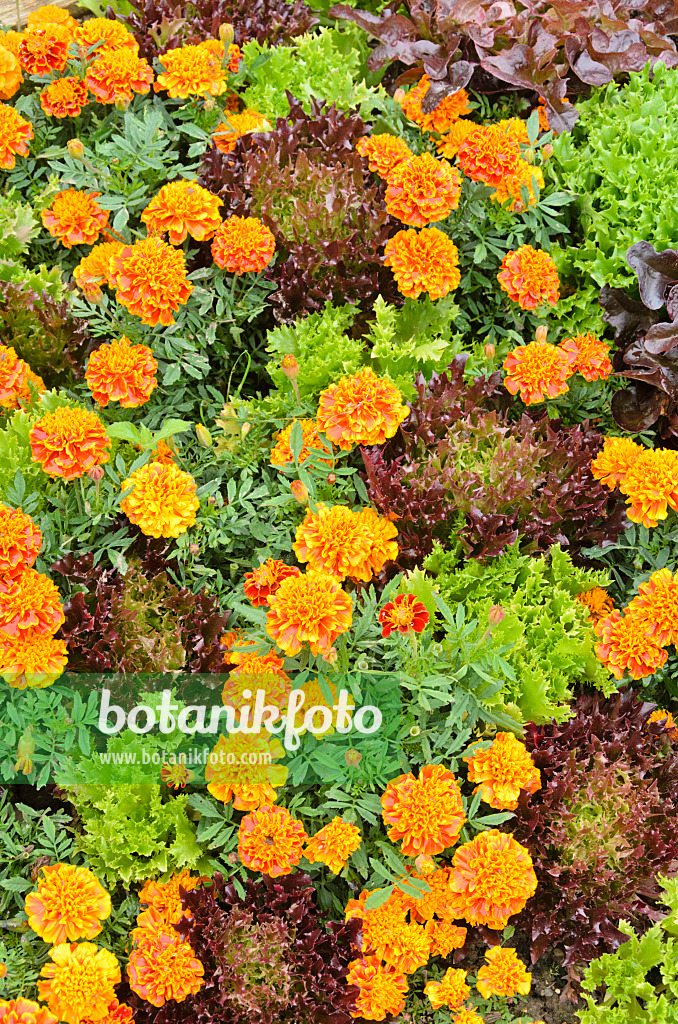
column 11, row 41
column 363, row 409
column 68, row 904
column 339, row 541
column 14, row 374
column 467, row 1016
column 11, row 78
column 243, row 245
column 243, row 769
column 383, row 152
column 529, row 277
column 44, row 48
column 538, row 370
column 489, row 154
column 163, row 502
column 250, row 666
column 183, row 208
column 121, row 372
column 612, row 464
column 150, row 277
column 598, row 603
column 30, row 602
column 228, row 132
column 20, row 542
column 426, row 813
column 270, row 840
column 651, row 486
column 281, row 453
column 14, row 135
column 451, row 142
column 511, row 187
column 423, row 261
column 94, row 270
column 516, row 129
column 191, row 71
column 666, row 719
column 626, row 646
column 589, row 356
column 117, row 74
column 162, row 965
column 165, row 897
column 118, row 1013
column 75, row 218
column 80, row 982
column 309, row 607
column 422, row 190
column 265, row 580
column 234, row 53
column 68, row 442
column 445, row 937
column 450, row 991
column 436, row 902
column 65, row 97
column 24, row 1011
column 656, row 607
column 492, row 879
column 99, row 35
column 503, row 974
column 405, row 614
column 31, row 659
column 333, row 844
column 442, row 117
column 502, row 771
column 381, row 988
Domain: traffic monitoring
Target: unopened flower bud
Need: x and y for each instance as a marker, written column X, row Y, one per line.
column 399, row 95
column 121, row 103
column 246, row 427
column 96, row 474
column 228, row 412
column 24, row 752
column 211, row 500
column 300, row 491
column 541, row 333
column 76, row 149
column 528, row 156
column 489, row 350
column 331, row 656
column 194, row 549
column 232, row 857
column 290, row 367
column 547, row 151
column 424, row 864
column 496, row 615
column 352, row 758
column 204, row 436
column 331, row 478
column 210, row 103
column 415, row 730
column 226, row 34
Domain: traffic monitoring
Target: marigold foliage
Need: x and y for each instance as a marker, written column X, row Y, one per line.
column 80, row 982
column 270, row 840
column 502, row 771
column 150, row 278
column 15, row 133
column 68, row 442
column 20, row 542
column 422, row 190
column 243, row 245
column 333, row 844
column 310, row 607
column 183, row 208
column 423, row 261
column 31, row 602
column 65, row 97
column 492, row 879
column 75, row 218
column 503, row 974
column 163, row 501
column 121, row 372
column 529, row 277
column 364, row 409
column 425, row 813
column 68, row 904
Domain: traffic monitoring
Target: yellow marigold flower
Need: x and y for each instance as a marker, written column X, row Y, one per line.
column 11, row 78
column 435, row 903
column 333, row 844
column 24, row 1011
column 451, row 142
column 31, row 660
column 75, row 218
column 94, row 270
column 445, row 937
column 121, row 372
column 529, row 277
column 20, row 394
column 117, row 75
column 29, row 603
column 80, row 982
column 516, row 129
column 20, row 542
column 150, row 278
column 442, row 117
column 656, row 606
column 64, row 98
column 44, row 48
column 611, row 465
column 426, row 813
column 626, row 646
column 99, row 35
column 243, row 245
column 381, row 988
column 422, row 190
column 666, row 719
column 228, row 132
column 503, row 974
column 490, row 153
column 538, row 370
column 69, row 442
column 191, row 71
column 281, row 453
column 14, row 135
column 450, row 991
column 589, row 356
column 68, row 904
column 339, row 541
column 311, row 608
column 163, row 502
column 118, row 1013
column 502, row 771
column 383, row 152
column 511, row 187
column 409, row 948
column 265, row 580
column 423, row 261
column 651, row 486
column 468, row 1016
column 53, row 15
column 11, row 41
column 363, row 409
column 270, row 840
column 598, row 603
column 492, row 879
column 162, row 965
column 242, row 765
column 183, row 208
column 165, row 897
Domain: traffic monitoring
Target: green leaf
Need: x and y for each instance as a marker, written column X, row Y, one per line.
column 123, row 432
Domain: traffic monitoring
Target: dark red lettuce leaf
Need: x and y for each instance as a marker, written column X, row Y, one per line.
column 43, row 331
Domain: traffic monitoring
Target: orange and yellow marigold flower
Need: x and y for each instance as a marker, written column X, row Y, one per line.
column 94, row 270
column 503, row 974
column 242, row 767
column 597, row 601
column 451, row 142
column 44, row 48
column 31, row 659
column 16, row 378
column 450, row 991
column 426, row 814
column 308, row 608
column 611, row 465
column 626, row 646
column 11, row 78
column 121, row 372
column 651, row 486
column 192, row 70
column 538, row 371
column 667, row 721
column 422, row 190
column 243, row 245
column 117, row 75
column 162, row 966
column 383, row 152
column 265, row 580
column 492, row 879
column 589, row 356
column 529, row 277
column 341, row 541
column 80, row 982
column 163, row 501
column 183, row 208
column 491, row 154
column 54, row 15
column 68, row 442
column 20, row 542
column 29, row 603
column 405, row 614
column 381, row 989
column 443, row 116
column 270, row 840
column 228, row 132
column 445, row 937
column 502, row 771
column 281, row 453
column 333, row 844
column 150, row 278
column 423, row 261
column 101, row 35
column 75, row 218
column 64, row 98
column 165, row 897
column 15, row 133
column 24, row 1011
column 656, row 607
column 68, row 904
column 363, row 409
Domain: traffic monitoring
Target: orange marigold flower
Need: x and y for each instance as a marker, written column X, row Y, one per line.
column 383, row 152
column 425, row 813
column 442, row 117
column 589, row 356
column 118, row 1013
column 192, row 70
column 14, row 135
column 503, row 974
column 667, row 721
column 597, row 601
column 31, row 659
column 164, row 453
column 281, row 453
column 436, row 902
column 651, row 486
column 94, row 270
column 243, row 245
column 53, row 15
column 233, row 53
column 20, row 542
column 422, row 190
column 44, row 48
column 450, row 991
column 80, row 982
column 656, row 606
column 529, row 277
column 11, row 41
column 451, row 142
column 117, row 74
column 309, row 607
column 341, row 541
column 69, row 442
column 64, row 98
column 24, row 1011
column 183, row 208
column 165, row 897
column 404, row 614
column 11, row 78
column 268, row 666
column 612, row 464
column 75, row 218
column 445, row 937
column 502, row 771
column 381, row 988
column 19, row 395
column 228, row 132
column 270, row 840
column 163, row 502
column 150, row 278
column 265, row 580
column 626, row 646
column 241, row 767
column 467, row 1016
column 99, row 35
column 30, row 602
column 423, row 261
column 363, row 409
column 12, row 372
column 490, row 153
column 492, row 879
column 121, row 372
column 68, row 904
column 538, row 370
column 516, row 129
column 512, row 186
column 333, row 844
column 162, row 965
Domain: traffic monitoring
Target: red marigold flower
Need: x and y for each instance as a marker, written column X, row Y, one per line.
column 68, row 442
column 492, row 879
column 183, row 208
column 20, row 542
column 340, row 541
column 75, row 218
column 24, row 1011
column 14, row 135
column 666, row 719
column 162, row 966
column 503, row 974
column 612, row 464
column 11, row 78
column 228, row 132
column 450, row 143
column 363, row 409
column 589, row 356
column 243, row 245
column 65, row 97
column 281, row 453
column 68, row 904
column 597, row 601
column 381, row 988
column 163, row 502
column 99, row 35
column 538, row 370
column 231, row 773
column 422, row 190
column 150, row 278
column 383, row 152
column 423, row 261
column 450, row 991
column 442, row 117
column 333, row 844
column 626, row 646
column 265, row 580
column 165, row 897
column 651, row 485
column 117, row 75
column 80, row 982
column 121, row 372
column 529, row 277
column 309, row 607
column 425, row 813
column 30, row 602
column 490, row 153
column 656, row 606
column 44, row 48
column 191, row 71
column 405, row 614
column 31, row 659
column 270, row 840
column 94, row 270
column 502, row 771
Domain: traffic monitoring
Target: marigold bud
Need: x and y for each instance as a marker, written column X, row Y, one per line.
column 96, row 474
column 352, row 758
column 415, row 730
column 211, row 500
column 547, row 151
column 121, row 103
column 232, row 857
column 331, row 656
column 541, row 334
column 399, row 95
column 496, row 615
column 3, row 970
column 24, row 752
column 290, row 367
column 331, row 478
column 424, row 864
column 528, row 156
column 194, row 549
column 204, row 436
column 226, row 34
column 300, row 491
column 246, row 427
column 76, row 149
column 489, row 350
